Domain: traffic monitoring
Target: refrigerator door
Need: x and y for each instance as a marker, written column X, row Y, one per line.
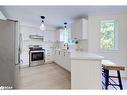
column 17, row 77
column 20, row 47
column 18, row 39
column 8, row 52
column 17, row 44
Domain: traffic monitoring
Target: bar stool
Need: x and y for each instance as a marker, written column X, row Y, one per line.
column 107, row 65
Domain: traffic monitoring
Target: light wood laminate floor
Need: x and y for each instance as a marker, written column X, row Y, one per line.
column 48, row 76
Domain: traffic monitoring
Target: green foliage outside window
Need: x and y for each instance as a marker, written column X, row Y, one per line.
column 107, row 40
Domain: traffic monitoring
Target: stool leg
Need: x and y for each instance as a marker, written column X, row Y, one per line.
column 119, row 79
column 106, row 78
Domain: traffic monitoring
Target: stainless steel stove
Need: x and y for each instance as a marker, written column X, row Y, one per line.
column 36, row 55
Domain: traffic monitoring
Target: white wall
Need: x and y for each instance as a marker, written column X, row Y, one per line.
column 26, row 30
column 82, row 45
column 2, row 16
column 120, row 56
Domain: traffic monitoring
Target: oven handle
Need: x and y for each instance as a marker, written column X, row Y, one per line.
column 36, row 51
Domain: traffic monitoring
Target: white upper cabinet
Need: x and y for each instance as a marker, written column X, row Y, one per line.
column 79, row 29
column 49, row 36
column 57, row 35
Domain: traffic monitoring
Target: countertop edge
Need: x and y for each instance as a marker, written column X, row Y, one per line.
column 72, row 58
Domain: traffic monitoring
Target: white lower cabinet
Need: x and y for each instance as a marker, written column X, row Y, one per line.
column 62, row 58
column 57, row 57
column 48, row 55
column 86, row 74
column 85, row 71
column 66, row 60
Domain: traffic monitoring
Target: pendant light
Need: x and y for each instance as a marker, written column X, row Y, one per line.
column 42, row 26
column 65, row 26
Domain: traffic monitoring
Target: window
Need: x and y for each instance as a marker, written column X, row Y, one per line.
column 65, row 36
column 109, row 35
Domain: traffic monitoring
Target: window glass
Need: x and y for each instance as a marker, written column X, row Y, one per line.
column 108, row 35
column 65, row 36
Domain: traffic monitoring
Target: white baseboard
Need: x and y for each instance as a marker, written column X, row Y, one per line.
column 27, row 65
column 24, row 66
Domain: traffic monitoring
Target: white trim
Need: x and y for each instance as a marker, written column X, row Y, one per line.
column 116, row 38
column 109, row 51
column 116, row 35
column 23, row 66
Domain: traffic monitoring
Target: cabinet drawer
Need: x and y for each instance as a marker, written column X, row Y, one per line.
column 57, row 52
column 67, row 54
column 48, row 59
column 48, row 55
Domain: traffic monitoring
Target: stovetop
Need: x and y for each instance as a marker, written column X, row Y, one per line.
column 39, row 48
column 35, row 48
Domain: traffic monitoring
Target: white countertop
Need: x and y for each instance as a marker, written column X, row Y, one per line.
column 78, row 55
column 82, row 55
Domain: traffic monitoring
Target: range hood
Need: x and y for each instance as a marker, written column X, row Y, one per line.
column 36, row 37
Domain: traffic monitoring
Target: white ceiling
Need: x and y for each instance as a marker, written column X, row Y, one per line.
column 56, row 15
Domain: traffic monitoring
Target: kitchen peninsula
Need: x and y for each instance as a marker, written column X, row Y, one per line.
column 85, row 68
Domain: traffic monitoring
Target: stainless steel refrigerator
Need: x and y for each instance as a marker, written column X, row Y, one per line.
column 9, row 53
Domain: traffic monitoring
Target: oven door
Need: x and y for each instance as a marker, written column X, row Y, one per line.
column 37, row 55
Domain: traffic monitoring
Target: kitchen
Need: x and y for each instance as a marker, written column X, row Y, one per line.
column 67, row 43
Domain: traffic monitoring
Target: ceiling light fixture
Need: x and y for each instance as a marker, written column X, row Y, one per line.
column 42, row 26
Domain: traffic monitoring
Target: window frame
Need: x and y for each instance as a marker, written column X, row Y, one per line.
column 68, row 33
column 116, row 36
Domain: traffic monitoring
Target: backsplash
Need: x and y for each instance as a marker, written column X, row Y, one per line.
column 82, row 45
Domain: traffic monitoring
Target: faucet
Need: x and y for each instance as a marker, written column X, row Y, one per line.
column 66, row 44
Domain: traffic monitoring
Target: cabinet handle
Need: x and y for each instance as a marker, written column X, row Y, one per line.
column 59, row 52
column 64, row 53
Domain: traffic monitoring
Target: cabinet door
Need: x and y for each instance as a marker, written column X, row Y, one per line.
column 79, row 29
column 84, row 29
column 73, row 31
column 54, row 56
column 49, row 54
column 57, row 56
column 46, row 36
column 76, row 29
column 63, row 63
column 61, row 59
column 51, row 37
column 57, row 35
column 67, row 61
